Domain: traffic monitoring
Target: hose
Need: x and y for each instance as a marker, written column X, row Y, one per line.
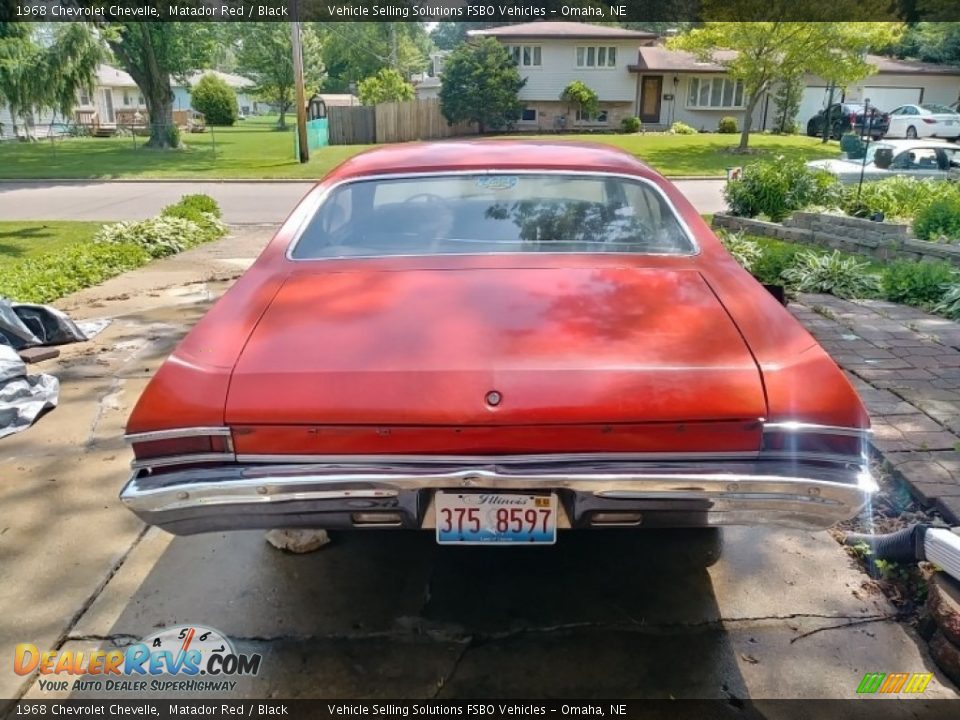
column 902, row 546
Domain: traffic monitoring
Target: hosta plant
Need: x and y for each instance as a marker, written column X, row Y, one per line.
column 835, row 273
column 949, row 305
column 744, row 250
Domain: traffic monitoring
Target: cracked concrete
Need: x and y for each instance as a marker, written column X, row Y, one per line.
column 606, row 614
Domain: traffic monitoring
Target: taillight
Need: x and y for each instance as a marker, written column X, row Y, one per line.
column 853, row 118
column 929, row 121
column 179, row 446
column 833, row 443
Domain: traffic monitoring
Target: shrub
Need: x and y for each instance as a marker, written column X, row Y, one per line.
column 949, row 305
column 679, row 128
column 209, row 224
column 852, row 145
column 939, row 220
column 896, row 197
column 48, row 277
column 630, row 124
column 845, row 277
column 215, row 99
column 917, row 283
column 775, row 257
column 159, row 236
column 777, row 188
column 201, row 202
column 728, row 126
column 388, row 85
column 744, row 250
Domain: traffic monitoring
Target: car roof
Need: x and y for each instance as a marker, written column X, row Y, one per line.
column 461, row 155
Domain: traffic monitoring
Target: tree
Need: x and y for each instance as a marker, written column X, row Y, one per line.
column 936, row 42
column 578, row 95
column 768, row 51
column 154, row 53
column 37, row 76
column 386, row 86
column 787, row 100
column 265, row 55
column 480, row 84
column 353, row 51
column 215, row 99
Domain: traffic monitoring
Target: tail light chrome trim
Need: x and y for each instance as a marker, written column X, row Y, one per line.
column 219, row 449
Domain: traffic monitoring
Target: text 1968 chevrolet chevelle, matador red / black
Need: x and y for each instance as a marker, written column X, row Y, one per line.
column 494, row 340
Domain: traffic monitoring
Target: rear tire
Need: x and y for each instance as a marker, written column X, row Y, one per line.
column 911, row 133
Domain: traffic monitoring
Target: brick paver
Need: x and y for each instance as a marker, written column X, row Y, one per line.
column 906, row 366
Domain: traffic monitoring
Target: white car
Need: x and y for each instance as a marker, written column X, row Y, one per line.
column 920, row 121
column 886, row 158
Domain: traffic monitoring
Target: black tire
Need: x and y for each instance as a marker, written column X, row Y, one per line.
column 911, row 133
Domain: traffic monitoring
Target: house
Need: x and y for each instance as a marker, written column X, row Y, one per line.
column 552, row 54
column 673, row 85
column 427, row 85
column 242, row 86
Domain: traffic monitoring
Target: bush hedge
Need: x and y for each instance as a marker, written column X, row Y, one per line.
column 631, row 124
column 216, row 100
column 680, row 128
column 728, row 126
column 778, row 188
column 116, row 248
column 917, row 283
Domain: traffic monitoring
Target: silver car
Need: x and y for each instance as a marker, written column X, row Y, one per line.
column 887, row 158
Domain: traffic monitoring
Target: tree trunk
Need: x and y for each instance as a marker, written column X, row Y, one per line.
column 748, row 120
column 159, row 100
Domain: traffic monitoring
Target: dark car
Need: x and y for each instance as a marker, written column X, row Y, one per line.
column 844, row 117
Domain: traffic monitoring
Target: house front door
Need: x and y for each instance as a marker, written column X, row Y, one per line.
column 105, row 106
column 651, row 91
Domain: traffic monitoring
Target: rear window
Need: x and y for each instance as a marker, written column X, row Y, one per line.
column 492, row 213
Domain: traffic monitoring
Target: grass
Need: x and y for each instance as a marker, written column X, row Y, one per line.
column 253, row 149
column 22, row 240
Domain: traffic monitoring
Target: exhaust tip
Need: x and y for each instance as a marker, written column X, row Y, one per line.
column 616, row 519
column 376, row 519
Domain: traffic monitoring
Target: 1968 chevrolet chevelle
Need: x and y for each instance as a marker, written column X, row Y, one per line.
column 493, row 340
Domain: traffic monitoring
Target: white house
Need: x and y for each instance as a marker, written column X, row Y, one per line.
column 552, row 54
column 674, row 85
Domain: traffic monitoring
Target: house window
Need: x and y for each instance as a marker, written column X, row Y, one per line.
column 603, row 56
column 529, row 115
column 525, row 55
column 126, row 97
column 599, row 117
column 715, row 92
column 139, row 99
column 84, row 97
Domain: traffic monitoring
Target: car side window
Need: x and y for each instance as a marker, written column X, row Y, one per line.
column 898, row 111
column 916, row 159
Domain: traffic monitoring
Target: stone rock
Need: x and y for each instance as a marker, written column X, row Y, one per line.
column 946, row 655
column 943, row 602
column 297, row 541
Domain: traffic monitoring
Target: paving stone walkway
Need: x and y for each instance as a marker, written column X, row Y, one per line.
column 906, row 366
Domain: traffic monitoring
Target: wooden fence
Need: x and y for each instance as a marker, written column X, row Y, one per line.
column 392, row 122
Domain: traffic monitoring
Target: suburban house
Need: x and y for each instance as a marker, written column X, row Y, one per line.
column 552, row 54
column 242, row 86
column 427, row 85
column 673, row 85
column 634, row 74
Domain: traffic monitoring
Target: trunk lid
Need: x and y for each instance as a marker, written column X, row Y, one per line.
column 560, row 345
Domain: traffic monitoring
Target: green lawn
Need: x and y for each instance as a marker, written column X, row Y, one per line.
column 21, row 240
column 254, row 149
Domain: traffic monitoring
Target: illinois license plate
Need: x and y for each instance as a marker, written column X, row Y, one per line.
column 480, row 518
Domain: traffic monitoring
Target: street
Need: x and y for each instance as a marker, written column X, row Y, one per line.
column 770, row 613
column 241, row 202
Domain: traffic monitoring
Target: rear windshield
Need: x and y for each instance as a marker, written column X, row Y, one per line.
column 492, row 213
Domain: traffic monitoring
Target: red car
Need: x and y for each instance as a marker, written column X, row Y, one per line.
column 493, row 340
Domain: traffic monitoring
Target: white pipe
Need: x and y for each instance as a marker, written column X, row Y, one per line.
column 942, row 548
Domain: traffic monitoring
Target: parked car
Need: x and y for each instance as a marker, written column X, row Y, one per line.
column 924, row 121
column 849, row 117
column 493, row 340
column 910, row 158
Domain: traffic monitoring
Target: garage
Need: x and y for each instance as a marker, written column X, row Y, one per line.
column 813, row 100
column 890, row 98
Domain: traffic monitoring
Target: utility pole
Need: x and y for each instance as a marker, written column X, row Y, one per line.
column 301, row 95
column 393, row 46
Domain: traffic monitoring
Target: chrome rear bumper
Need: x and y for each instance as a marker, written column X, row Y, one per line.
column 333, row 495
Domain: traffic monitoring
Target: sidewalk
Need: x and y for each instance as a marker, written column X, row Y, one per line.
column 905, row 364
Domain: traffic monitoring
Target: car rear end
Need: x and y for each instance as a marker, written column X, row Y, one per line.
column 496, row 397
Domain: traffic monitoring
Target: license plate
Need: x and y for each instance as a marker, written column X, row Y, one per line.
column 482, row 518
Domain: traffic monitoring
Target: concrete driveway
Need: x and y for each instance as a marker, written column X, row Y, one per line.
column 241, row 202
column 776, row 614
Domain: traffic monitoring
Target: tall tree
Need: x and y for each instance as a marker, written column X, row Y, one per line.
column 265, row 55
column 353, row 51
column 480, row 84
column 38, row 74
column 154, row 53
column 767, row 51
